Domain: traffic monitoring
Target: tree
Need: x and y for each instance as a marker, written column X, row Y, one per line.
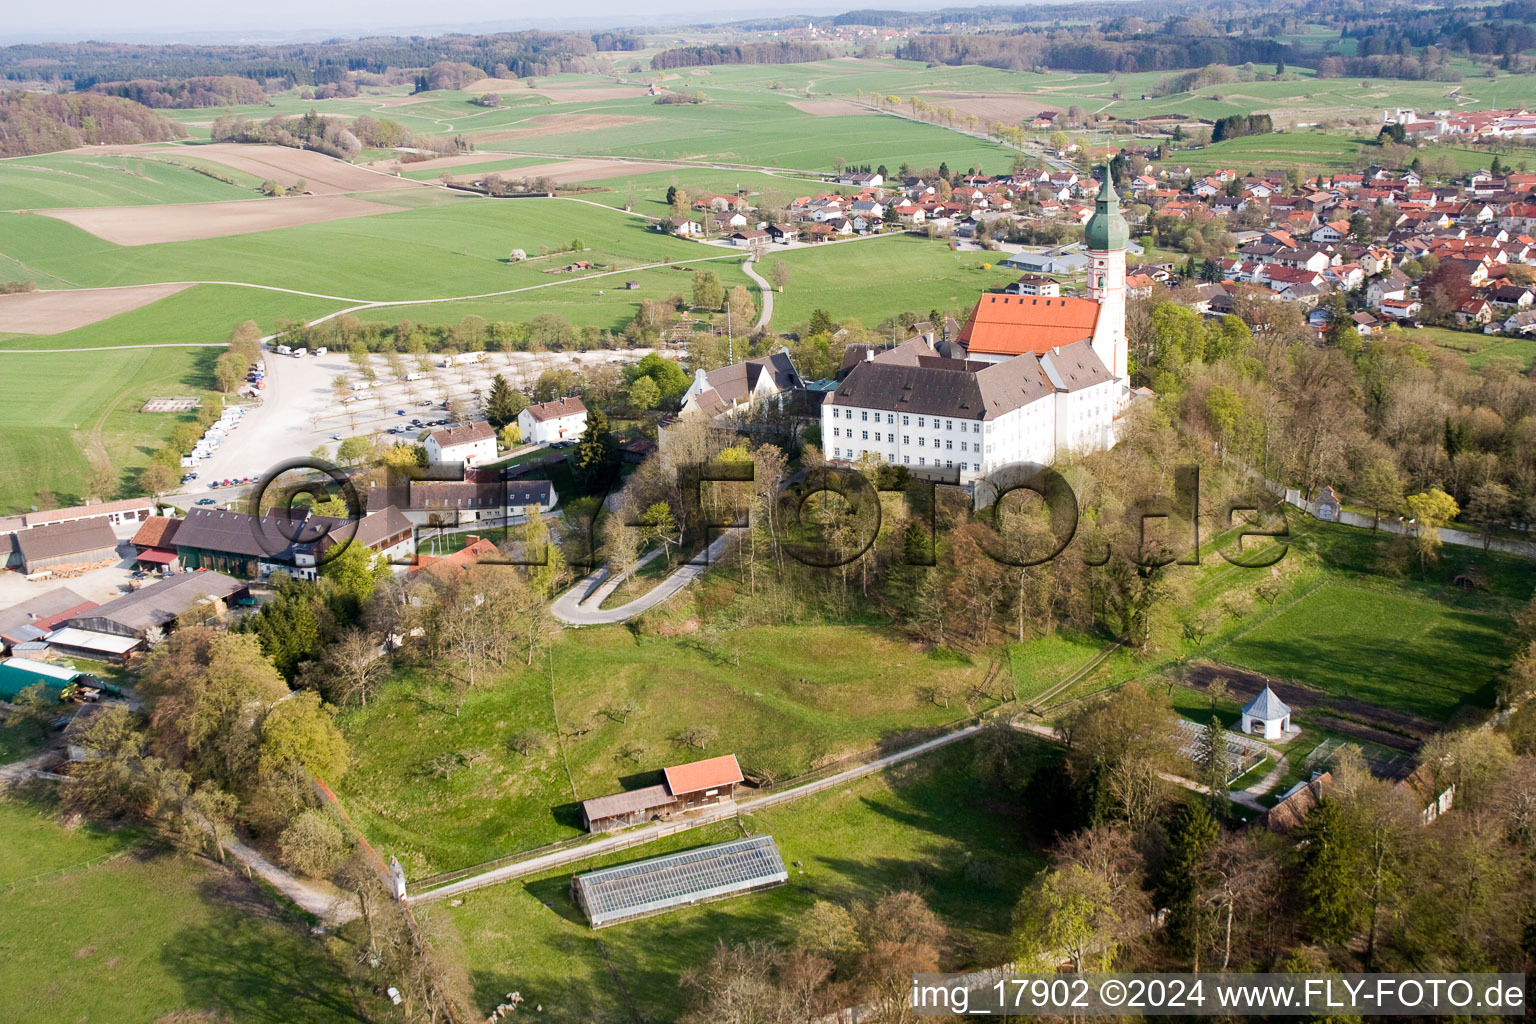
column 1381, row 488
column 779, row 274
column 1185, row 876
column 156, row 478
column 351, row 667
column 821, row 322
column 353, row 451
column 644, row 394
column 510, row 436
column 742, row 310
column 212, row 811
column 708, row 292
column 659, row 525
column 503, row 404
column 299, row 733
column 1489, row 505
column 597, row 454
column 354, row 573
column 1430, row 510
column 1327, row 861
column 1214, row 763
column 314, row 844
column 36, row 706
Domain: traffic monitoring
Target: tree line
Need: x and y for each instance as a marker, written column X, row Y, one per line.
column 32, row 123
column 206, row 91
column 785, row 52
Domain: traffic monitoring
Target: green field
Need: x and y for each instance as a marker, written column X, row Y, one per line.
column 54, row 407
column 147, row 935
column 879, row 277
column 788, row 707
column 923, row 826
column 1382, row 646
column 44, row 182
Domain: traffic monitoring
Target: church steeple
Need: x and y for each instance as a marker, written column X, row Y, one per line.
column 1106, row 230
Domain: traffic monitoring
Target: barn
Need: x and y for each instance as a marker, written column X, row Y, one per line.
column 659, row 884
column 16, row 674
column 80, row 542
column 684, row 787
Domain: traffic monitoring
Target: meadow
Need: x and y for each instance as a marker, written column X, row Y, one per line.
column 114, row 930
column 58, row 407
column 924, row 826
column 44, row 182
column 871, row 279
column 774, row 697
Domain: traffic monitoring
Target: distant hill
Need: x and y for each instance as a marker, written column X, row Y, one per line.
column 32, row 122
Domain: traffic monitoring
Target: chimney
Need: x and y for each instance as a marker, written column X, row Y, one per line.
column 869, row 355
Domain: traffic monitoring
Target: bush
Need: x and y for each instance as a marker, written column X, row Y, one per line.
column 313, row 844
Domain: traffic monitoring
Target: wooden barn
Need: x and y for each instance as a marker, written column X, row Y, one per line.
column 684, row 787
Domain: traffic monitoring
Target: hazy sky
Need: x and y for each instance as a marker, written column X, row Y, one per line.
column 289, row 19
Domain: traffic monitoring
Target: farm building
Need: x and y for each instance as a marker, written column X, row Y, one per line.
column 683, row 787
column 159, row 605
column 77, row 542
column 244, row 545
column 659, row 884
column 155, row 543
column 33, row 618
column 73, row 642
column 16, row 674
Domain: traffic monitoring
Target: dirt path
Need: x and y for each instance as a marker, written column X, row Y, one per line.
column 326, row 902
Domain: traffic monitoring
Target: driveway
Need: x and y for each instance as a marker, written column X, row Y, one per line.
column 579, row 605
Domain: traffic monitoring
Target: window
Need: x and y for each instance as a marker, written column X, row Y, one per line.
column 962, row 446
column 906, row 438
column 835, row 412
column 838, row 452
column 865, row 415
column 907, row 459
column 922, row 441
column 949, row 464
column 866, row 435
column 920, row 421
column 834, row 432
column 949, row 424
column 922, row 461
column 950, row 445
column 890, row 418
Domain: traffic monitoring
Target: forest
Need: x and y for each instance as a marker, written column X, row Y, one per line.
column 739, row 53
column 32, row 123
column 207, row 91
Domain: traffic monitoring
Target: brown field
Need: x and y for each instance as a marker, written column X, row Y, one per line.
column 53, row 312
column 565, row 172
column 556, row 124
column 145, row 225
column 830, row 108
column 322, row 174
column 434, row 163
column 1007, row 107
column 560, row 93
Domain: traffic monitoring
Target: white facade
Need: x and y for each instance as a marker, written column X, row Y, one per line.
column 472, row 448
column 565, row 420
column 1106, row 286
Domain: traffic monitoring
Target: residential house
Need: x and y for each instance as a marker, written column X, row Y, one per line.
column 547, row 422
column 738, row 387
column 469, row 443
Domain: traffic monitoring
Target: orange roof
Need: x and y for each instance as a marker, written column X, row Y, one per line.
column 476, row 551
column 707, row 774
column 1014, row 324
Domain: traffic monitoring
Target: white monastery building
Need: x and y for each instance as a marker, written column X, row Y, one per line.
column 1030, row 377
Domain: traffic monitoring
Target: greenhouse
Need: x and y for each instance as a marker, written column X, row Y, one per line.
column 658, row 884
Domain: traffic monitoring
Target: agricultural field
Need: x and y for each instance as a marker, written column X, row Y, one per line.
column 60, row 408
column 774, row 698
column 1478, row 348
column 871, row 279
column 118, row 930
column 923, row 826
column 73, row 179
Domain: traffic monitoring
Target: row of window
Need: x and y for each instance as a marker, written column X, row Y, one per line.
column 906, row 439
column 906, row 421
column 837, row 453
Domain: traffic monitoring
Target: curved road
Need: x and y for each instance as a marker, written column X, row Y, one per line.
column 579, row 605
column 767, row 290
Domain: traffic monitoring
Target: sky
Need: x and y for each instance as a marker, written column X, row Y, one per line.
column 294, row 20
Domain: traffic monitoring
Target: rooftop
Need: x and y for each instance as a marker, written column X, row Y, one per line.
column 1015, row 324
column 706, row 774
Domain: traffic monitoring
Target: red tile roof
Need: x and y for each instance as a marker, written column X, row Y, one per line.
column 1015, row 324
column 707, row 774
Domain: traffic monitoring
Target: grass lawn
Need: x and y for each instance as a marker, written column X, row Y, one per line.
column 19, row 740
column 57, row 406
column 1380, row 645
column 870, row 280
column 1040, row 664
column 923, row 826
column 148, row 936
column 799, row 697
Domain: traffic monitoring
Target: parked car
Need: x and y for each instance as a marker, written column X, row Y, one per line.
column 335, row 437
column 206, row 501
column 399, row 412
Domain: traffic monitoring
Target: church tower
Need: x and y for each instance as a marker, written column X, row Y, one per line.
column 1107, row 234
